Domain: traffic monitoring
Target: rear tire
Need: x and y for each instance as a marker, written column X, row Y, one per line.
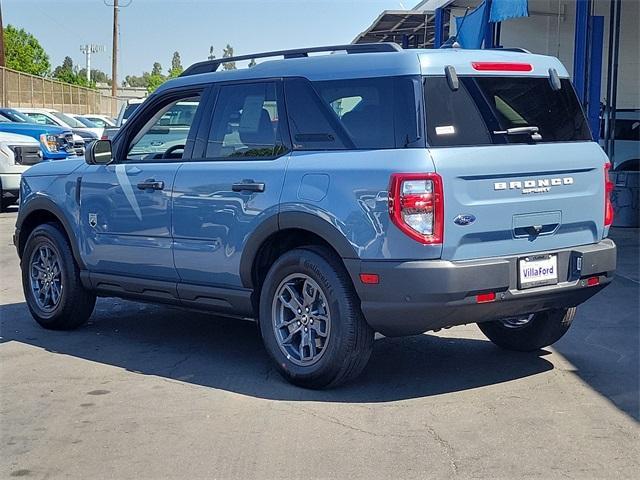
column 304, row 286
column 540, row 330
column 51, row 281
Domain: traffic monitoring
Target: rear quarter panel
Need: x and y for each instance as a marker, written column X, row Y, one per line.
column 348, row 189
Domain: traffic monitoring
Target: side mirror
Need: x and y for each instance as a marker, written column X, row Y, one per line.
column 98, row 153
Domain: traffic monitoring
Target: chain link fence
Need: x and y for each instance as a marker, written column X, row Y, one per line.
column 19, row 89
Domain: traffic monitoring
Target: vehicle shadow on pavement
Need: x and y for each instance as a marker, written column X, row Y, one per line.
column 228, row 354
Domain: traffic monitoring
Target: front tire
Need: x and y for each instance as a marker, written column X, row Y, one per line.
column 310, row 320
column 51, row 281
column 530, row 332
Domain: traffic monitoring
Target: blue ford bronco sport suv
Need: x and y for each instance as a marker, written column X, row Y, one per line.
column 333, row 196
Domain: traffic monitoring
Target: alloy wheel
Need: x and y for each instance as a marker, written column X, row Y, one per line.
column 45, row 275
column 301, row 319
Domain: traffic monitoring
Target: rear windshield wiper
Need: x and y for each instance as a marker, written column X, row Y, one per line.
column 531, row 130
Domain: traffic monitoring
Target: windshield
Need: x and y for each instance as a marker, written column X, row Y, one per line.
column 484, row 109
column 14, row 116
column 72, row 122
column 101, row 122
column 86, row 122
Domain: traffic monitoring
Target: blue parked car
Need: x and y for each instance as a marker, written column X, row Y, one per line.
column 57, row 143
column 332, row 196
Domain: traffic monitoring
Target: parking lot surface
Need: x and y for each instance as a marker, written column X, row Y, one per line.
column 153, row 392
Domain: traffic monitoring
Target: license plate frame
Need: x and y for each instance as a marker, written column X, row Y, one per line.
column 546, row 261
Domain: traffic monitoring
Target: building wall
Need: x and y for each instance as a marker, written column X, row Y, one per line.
column 555, row 34
column 551, row 36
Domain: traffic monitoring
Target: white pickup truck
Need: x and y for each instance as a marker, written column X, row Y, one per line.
column 17, row 154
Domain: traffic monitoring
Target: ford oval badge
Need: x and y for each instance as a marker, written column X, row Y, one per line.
column 464, row 219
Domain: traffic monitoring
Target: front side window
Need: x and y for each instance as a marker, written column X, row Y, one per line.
column 484, row 108
column 245, row 122
column 164, row 135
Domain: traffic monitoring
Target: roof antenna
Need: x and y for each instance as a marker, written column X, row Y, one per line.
column 452, row 41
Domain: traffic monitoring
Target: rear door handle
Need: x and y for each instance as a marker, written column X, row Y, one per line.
column 248, row 186
column 151, row 184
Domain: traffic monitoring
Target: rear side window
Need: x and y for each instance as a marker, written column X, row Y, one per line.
column 483, row 107
column 367, row 113
column 245, row 122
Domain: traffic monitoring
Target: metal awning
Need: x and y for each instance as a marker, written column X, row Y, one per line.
column 416, row 29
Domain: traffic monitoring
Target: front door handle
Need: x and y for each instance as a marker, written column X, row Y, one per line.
column 248, row 186
column 151, row 184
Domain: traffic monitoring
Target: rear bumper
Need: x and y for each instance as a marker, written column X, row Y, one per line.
column 415, row 296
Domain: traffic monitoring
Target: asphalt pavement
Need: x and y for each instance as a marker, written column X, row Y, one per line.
column 153, row 392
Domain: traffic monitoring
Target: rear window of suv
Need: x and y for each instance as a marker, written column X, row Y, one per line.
column 482, row 107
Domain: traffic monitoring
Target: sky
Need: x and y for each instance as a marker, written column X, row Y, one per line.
column 151, row 30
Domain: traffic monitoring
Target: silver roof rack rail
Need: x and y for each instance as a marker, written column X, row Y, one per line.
column 212, row 65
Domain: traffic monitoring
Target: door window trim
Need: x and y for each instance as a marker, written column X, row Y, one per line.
column 199, row 153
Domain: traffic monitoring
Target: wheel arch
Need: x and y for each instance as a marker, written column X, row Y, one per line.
column 37, row 212
column 289, row 230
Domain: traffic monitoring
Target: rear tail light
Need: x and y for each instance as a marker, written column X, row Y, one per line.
column 416, row 205
column 608, row 188
column 593, row 281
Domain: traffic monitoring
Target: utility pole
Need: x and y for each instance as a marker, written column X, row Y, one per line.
column 114, row 54
column 1, row 39
column 114, row 51
column 88, row 50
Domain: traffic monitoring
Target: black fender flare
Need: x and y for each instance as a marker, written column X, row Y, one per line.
column 48, row 205
column 286, row 220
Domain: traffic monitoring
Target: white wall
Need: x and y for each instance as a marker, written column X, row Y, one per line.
column 555, row 34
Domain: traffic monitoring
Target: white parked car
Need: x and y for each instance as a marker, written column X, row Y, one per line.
column 125, row 112
column 48, row 116
column 127, row 109
column 17, row 154
column 100, row 120
column 87, row 123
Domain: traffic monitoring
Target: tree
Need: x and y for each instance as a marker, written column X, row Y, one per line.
column 227, row 53
column 176, row 66
column 65, row 69
column 98, row 76
column 134, row 81
column 24, row 53
column 70, row 74
column 157, row 69
column 212, row 55
column 156, row 78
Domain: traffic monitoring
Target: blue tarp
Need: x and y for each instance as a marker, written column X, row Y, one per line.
column 470, row 29
column 506, row 9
